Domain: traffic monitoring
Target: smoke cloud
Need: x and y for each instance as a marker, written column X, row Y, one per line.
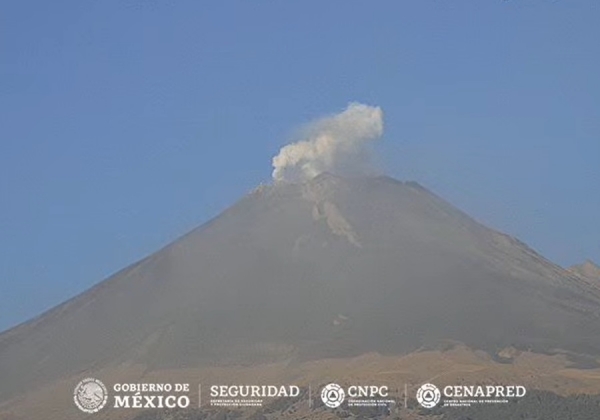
column 337, row 144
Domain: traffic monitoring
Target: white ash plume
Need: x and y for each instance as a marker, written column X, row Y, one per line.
column 337, row 144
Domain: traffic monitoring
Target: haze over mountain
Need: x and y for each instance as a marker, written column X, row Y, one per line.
column 587, row 270
column 329, row 268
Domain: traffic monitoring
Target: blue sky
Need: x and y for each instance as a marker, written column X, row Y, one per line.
column 124, row 124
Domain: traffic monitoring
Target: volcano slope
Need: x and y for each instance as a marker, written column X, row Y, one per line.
column 331, row 268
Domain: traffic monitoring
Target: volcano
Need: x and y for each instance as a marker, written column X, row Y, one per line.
column 330, row 268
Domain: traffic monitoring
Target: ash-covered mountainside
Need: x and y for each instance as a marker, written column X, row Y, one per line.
column 332, row 267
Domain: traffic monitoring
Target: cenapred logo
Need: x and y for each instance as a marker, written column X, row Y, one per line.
column 332, row 395
column 90, row 395
column 428, row 395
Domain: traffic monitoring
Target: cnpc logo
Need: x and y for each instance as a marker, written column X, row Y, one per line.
column 333, row 395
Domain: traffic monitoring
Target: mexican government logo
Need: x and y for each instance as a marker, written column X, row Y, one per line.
column 428, row 395
column 332, row 395
column 90, row 395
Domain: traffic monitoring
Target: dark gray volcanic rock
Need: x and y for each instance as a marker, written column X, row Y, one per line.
column 331, row 268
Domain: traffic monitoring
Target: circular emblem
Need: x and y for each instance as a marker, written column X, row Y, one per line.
column 428, row 395
column 332, row 395
column 90, row 395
